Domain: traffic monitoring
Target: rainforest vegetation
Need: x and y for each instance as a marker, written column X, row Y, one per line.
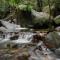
column 30, row 29
column 31, row 13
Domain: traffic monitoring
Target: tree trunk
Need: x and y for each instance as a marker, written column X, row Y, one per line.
column 39, row 5
column 50, row 20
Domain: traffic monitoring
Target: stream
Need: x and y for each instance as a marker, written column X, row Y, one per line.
column 44, row 54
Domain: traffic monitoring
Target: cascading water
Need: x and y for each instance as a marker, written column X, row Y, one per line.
column 36, row 55
column 26, row 38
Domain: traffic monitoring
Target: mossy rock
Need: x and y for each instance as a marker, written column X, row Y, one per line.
column 40, row 17
column 57, row 19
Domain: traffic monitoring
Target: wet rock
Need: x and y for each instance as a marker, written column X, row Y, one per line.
column 57, row 28
column 57, row 51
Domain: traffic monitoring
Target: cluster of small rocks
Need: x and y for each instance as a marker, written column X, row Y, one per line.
column 14, row 55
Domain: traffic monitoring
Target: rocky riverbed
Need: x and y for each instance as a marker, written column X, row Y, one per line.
column 36, row 50
column 26, row 53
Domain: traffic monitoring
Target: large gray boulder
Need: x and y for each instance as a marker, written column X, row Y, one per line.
column 53, row 39
column 40, row 17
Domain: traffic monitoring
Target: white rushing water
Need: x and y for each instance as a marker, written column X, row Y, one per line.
column 24, row 38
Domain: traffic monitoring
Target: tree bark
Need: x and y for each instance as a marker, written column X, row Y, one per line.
column 39, row 5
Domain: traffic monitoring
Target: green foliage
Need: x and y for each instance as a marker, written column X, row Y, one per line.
column 14, row 2
column 57, row 3
column 45, row 2
column 4, row 8
column 26, row 7
column 3, row 5
column 46, row 9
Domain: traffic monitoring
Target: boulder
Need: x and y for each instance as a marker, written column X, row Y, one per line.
column 53, row 40
column 57, row 52
column 57, row 20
